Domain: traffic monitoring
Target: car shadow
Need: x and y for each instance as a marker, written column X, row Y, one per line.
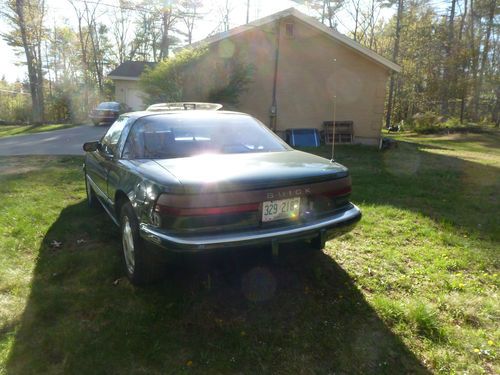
column 238, row 313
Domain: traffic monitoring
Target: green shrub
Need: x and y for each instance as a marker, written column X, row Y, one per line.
column 227, row 81
column 239, row 79
column 432, row 123
column 164, row 83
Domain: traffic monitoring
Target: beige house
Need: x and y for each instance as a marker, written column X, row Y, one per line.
column 301, row 66
column 125, row 78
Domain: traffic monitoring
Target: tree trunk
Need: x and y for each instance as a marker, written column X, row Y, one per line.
column 496, row 110
column 474, row 58
column 448, row 62
column 395, row 54
column 484, row 60
column 465, row 64
column 164, row 47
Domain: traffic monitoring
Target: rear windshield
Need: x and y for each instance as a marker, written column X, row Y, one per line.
column 180, row 135
column 109, row 105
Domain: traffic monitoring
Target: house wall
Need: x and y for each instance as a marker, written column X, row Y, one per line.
column 307, row 79
column 128, row 92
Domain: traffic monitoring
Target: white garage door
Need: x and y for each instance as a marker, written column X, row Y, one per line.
column 133, row 99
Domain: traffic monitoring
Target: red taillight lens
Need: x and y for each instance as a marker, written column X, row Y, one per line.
column 172, row 205
column 201, row 211
column 342, row 191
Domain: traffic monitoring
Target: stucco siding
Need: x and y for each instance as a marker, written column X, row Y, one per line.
column 307, row 79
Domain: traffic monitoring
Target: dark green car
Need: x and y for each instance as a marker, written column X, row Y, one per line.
column 191, row 181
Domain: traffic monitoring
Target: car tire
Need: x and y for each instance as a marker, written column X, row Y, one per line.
column 92, row 201
column 140, row 266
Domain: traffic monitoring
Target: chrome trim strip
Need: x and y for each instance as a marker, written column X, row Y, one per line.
column 152, row 234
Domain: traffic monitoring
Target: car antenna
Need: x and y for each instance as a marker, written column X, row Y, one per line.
column 334, row 110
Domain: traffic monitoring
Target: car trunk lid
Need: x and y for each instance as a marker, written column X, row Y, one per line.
column 249, row 171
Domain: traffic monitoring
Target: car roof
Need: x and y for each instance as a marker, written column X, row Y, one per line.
column 189, row 113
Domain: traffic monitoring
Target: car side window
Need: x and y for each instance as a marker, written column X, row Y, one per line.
column 110, row 140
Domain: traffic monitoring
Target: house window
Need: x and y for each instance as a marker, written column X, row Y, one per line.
column 289, row 30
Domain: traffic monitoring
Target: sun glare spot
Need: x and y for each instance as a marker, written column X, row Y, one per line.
column 226, row 49
column 209, row 168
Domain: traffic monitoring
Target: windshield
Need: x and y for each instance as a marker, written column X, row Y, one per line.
column 180, row 135
column 109, row 105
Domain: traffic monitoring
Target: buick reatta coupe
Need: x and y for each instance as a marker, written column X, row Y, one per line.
column 176, row 180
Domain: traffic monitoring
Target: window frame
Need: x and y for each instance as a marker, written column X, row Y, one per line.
column 114, row 149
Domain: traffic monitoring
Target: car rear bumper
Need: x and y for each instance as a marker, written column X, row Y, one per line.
column 107, row 118
column 323, row 229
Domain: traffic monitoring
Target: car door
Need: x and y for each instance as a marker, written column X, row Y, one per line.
column 107, row 156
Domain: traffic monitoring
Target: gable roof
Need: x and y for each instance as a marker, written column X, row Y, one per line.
column 348, row 42
column 130, row 70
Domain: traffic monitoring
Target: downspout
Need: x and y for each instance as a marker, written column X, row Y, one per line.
column 273, row 111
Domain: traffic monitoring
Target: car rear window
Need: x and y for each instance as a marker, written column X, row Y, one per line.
column 186, row 134
column 109, row 105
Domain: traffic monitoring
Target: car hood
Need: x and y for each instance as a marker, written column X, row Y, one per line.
column 230, row 172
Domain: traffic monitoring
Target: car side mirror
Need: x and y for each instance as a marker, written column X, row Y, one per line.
column 91, row 146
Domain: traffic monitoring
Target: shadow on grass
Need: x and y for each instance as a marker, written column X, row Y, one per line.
column 416, row 177
column 241, row 313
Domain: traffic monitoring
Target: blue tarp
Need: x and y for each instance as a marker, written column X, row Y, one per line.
column 303, row 137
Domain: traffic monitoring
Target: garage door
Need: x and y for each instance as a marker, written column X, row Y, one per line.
column 134, row 100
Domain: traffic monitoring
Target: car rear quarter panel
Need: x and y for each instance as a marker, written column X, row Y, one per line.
column 142, row 182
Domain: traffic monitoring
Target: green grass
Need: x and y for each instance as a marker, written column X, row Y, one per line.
column 412, row 289
column 10, row 130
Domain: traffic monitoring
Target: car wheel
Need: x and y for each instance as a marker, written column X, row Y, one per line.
column 92, row 201
column 140, row 266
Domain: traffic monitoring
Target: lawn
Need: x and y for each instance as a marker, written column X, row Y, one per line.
column 10, row 130
column 413, row 289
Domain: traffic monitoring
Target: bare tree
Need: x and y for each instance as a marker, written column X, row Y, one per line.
column 190, row 13
column 354, row 11
column 169, row 17
column 120, row 29
column 372, row 19
column 225, row 11
column 95, row 33
column 147, row 34
column 326, row 10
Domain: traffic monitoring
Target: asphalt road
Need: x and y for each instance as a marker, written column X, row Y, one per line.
column 56, row 142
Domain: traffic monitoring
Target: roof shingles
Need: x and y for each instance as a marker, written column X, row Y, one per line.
column 130, row 69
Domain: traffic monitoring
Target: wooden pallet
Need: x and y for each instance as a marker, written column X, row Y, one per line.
column 344, row 132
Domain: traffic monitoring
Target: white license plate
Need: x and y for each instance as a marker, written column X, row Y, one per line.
column 282, row 209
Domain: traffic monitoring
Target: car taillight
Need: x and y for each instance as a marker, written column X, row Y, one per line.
column 181, row 205
column 342, row 191
column 204, row 211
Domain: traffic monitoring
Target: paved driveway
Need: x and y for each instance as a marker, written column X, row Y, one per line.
column 57, row 142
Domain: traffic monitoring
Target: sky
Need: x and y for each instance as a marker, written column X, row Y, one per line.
column 60, row 11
